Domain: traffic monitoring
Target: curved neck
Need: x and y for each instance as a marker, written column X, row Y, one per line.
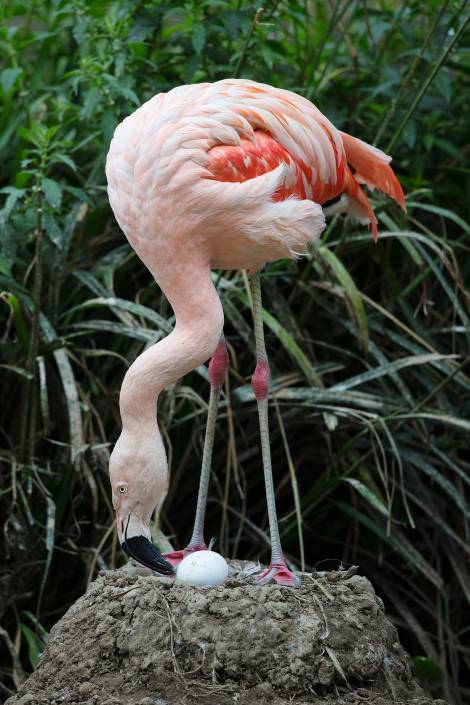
column 199, row 321
column 156, row 368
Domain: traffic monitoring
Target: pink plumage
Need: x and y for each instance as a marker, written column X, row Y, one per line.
column 262, row 159
column 227, row 175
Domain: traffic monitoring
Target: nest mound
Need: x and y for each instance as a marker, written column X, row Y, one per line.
column 135, row 639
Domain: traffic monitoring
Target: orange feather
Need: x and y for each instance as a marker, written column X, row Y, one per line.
column 360, row 163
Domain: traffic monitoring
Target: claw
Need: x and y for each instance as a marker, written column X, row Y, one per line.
column 280, row 573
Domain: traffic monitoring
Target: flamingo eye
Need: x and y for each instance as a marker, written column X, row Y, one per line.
column 123, row 489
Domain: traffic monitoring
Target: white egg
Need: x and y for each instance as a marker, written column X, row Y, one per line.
column 203, row 568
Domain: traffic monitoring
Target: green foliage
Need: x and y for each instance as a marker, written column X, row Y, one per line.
column 427, row 671
column 368, row 343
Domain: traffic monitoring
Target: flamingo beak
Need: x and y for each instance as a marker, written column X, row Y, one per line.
column 135, row 542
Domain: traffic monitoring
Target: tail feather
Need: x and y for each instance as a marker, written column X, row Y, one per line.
column 358, row 204
column 371, row 166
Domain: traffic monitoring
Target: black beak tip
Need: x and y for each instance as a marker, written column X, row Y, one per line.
column 144, row 552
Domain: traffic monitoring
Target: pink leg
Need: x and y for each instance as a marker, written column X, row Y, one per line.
column 217, row 370
column 277, row 570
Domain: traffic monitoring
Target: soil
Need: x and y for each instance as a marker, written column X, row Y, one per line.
column 135, row 639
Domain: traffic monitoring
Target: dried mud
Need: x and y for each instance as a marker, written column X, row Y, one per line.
column 135, row 639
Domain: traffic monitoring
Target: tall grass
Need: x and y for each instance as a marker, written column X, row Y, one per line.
column 368, row 344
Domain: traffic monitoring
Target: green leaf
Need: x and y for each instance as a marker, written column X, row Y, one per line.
column 51, row 132
column 315, row 396
column 289, row 344
column 79, row 29
column 92, row 283
column 53, row 230
column 234, row 23
column 64, row 159
column 268, row 56
column 293, row 349
column 22, row 179
column 351, row 292
column 5, row 265
column 137, row 333
column 52, row 192
column 427, row 671
column 39, row 629
column 399, row 543
column 76, row 437
column 33, row 135
column 14, row 194
column 8, row 78
column 35, row 645
column 198, row 37
column 19, row 371
column 123, row 305
column 462, row 424
column 439, row 478
column 439, row 210
column 409, row 134
column 444, row 86
column 78, row 193
column 372, row 498
column 122, row 88
column 22, row 329
column 389, row 368
column 91, row 100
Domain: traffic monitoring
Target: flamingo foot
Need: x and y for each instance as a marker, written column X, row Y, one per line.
column 278, row 572
column 175, row 557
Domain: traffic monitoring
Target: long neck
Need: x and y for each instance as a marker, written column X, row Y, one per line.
column 199, row 321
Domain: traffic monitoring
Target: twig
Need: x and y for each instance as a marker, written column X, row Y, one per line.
column 320, row 587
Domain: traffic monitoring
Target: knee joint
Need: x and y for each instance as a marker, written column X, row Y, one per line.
column 218, row 365
column 260, row 379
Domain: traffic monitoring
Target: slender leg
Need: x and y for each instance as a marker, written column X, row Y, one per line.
column 278, row 569
column 217, row 371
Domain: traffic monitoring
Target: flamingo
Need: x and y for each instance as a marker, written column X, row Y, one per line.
column 225, row 175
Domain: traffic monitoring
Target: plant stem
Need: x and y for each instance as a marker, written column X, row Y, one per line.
column 35, row 326
column 313, row 89
column 391, row 32
column 410, row 73
column 427, row 83
column 243, row 55
column 317, row 55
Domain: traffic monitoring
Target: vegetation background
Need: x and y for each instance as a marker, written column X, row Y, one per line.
column 368, row 343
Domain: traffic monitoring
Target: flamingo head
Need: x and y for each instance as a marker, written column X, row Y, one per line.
column 138, row 472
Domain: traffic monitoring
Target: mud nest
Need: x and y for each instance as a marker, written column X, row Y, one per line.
column 135, row 639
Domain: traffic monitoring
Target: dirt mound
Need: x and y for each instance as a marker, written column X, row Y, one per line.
column 134, row 639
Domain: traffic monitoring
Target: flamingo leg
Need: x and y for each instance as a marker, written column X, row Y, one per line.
column 217, row 370
column 277, row 570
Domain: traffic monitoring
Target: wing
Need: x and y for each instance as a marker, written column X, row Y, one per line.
column 238, row 131
column 287, row 128
column 249, row 159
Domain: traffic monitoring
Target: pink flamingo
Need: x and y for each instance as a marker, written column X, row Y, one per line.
column 227, row 175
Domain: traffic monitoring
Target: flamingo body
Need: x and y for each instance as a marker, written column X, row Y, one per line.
column 237, row 171
column 227, row 175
